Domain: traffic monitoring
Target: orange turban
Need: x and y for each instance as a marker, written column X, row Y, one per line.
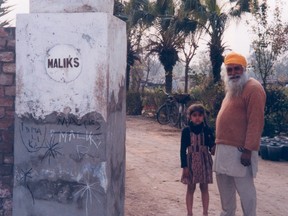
column 235, row 58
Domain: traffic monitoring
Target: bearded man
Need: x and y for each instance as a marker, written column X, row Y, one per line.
column 239, row 127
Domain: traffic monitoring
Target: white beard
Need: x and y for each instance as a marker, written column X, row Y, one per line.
column 234, row 87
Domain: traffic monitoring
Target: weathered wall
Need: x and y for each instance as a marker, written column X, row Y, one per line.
column 70, row 115
column 7, row 96
column 113, row 154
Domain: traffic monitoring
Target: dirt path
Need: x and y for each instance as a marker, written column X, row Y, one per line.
column 153, row 173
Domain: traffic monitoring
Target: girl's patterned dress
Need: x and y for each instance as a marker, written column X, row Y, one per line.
column 199, row 160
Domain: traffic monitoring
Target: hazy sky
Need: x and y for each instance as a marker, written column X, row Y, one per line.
column 236, row 36
column 19, row 6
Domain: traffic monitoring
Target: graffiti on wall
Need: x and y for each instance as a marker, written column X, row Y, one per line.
column 63, row 144
column 86, row 137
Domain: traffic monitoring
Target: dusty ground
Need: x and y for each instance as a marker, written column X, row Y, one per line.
column 153, row 173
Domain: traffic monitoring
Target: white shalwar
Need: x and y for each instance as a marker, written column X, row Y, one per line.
column 232, row 176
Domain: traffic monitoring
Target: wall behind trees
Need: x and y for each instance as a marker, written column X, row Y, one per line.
column 7, row 110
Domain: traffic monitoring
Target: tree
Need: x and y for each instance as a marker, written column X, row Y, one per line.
column 214, row 18
column 3, row 11
column 189, row 51
column 138, row 18
column 281, row 70
column 137, row 75
column 169, row 37
column 270, row 42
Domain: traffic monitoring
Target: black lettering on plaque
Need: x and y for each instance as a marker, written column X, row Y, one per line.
column 64, row 63
column 76, row 62
column 59, row 63
column 55, row 65
column 50, row 63
column 69, row 62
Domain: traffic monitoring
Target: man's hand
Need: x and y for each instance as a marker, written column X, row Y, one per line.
column 246, row 157
column 212, row 150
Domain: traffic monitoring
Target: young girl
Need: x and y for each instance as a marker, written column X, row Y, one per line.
column 197, row 145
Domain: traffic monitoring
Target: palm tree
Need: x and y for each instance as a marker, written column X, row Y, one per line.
column 137, row 17
column 3, row 11
column 170, row 31
column 214, row 18
column 166, row 44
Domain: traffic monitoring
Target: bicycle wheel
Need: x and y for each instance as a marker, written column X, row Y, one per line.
column 163, row 114
column 183, row 118
column 183, row 121
column 174, row 115
column 166, row 114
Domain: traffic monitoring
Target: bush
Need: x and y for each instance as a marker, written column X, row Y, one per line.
column 152, row 100
column 211, row 97
column 276, row 112
column 276, row 109
column 133, row 103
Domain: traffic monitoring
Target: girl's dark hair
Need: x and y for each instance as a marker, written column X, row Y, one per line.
column 196, row 108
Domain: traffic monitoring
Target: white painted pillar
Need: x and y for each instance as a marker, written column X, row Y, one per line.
column 70, row 110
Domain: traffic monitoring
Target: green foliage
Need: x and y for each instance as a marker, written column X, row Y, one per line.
column 3, row 11
column 172, row 26
column 138, row 18
column 197, row 78
column 276, row 112
column 166, row 44
column 146, row 104
column 133, row 103
column 211, row 96
column 214, row 17
column 153, row 98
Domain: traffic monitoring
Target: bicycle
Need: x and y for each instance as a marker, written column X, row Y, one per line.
column 173, row 111
column 182, row 100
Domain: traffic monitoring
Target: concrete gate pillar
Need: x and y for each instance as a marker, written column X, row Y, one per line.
column 70, row 110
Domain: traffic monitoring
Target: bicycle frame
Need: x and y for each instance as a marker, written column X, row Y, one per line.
column 183, row 118
column 173, row 111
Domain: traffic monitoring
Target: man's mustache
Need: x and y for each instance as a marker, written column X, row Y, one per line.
column 234, row 77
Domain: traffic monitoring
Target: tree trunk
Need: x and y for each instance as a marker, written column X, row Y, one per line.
column 168, row 81
column 146, row 81
column 216, row 59
column 186, row 77
column 216, row 69
column 216, row 52
column 127, row 77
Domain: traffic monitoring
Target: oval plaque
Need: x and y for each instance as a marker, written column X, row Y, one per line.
column 63, row 63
